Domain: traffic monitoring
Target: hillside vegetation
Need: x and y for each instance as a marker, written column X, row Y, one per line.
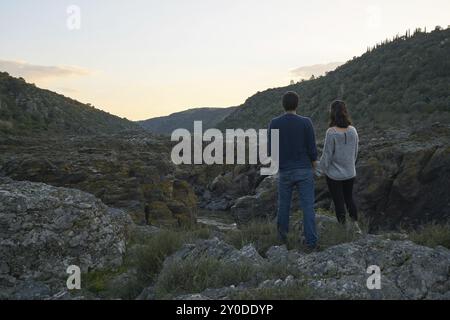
column 399, row 82
column 185, row 119
column 26, row 109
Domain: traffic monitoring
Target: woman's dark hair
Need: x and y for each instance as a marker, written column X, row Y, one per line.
column 339, row 116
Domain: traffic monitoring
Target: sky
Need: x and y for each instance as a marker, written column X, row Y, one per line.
column 143, row 58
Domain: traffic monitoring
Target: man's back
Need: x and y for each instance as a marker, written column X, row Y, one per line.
column 296, row 140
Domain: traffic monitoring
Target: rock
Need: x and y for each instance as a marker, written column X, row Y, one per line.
column 248, row 253
column 29, row 290
column 218, row 249
column 221, row 184
column 277, row 254
column 221, row 204
column 406, row 182
column 227, row 187
column 147, row 294
column 408, row 271
column 261, row 205
column 192, row 297
column 45, row 229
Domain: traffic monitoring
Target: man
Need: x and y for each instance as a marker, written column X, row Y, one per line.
column 297, row 162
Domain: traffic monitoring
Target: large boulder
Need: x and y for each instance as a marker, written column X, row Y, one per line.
column 45, row 229
column 218, row 249
column 408, row 271
column 406, row 182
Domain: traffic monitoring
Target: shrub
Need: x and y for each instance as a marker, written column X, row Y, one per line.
column 262, row 234
column 150, row 256
column 432, row 235
column 196, row 275
column 97, row 281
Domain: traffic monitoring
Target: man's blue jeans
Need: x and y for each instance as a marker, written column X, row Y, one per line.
column 303, row 181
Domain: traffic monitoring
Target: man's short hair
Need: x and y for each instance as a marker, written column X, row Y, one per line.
column 290, row 101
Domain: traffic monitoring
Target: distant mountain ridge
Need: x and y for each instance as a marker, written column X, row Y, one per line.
column 26, row 109
column 397, row 83
column 185, row 119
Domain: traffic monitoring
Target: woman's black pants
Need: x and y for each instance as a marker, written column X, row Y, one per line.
column 342, row 195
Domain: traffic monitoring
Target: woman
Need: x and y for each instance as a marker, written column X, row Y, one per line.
column 338, row 162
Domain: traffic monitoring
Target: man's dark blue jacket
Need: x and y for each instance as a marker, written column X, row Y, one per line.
column 297, row 141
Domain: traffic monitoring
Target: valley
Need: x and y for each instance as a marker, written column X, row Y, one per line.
column 82, row 187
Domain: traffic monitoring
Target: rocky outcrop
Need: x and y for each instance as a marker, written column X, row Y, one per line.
column 406, row 181
column 44, row 229
column 261, row 205
column 217, row 249
column 130, row 172
column 225, row 188
column 403, row 179
column 408, row 271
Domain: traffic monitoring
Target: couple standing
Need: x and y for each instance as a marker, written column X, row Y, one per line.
column 299, row 159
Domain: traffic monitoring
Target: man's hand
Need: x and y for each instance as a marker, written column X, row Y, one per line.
column 315, row 164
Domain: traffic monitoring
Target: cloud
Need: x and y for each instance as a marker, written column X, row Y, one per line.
column 32, row 72
column 317, row 70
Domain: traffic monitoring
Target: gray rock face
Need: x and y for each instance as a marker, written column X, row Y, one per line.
column 44, row 229
column 406, row 181
column 218, row 249
column 408, row 271
column 261, row 205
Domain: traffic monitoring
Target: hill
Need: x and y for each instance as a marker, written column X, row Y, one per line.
column 26, row 109
column 397, row 83
column 185, row 119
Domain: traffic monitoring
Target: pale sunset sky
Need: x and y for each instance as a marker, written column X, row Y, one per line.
column 143, row 58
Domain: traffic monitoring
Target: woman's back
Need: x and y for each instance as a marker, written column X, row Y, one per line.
column 340, row 153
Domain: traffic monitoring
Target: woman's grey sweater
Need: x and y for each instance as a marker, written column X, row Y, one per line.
column 340, row 152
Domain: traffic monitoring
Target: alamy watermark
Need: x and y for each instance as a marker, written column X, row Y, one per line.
column 73, row 21
column 374, row 280
column 191, row 150
column 74, row 280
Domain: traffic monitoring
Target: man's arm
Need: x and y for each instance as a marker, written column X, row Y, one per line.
column 269, row 140
column 311, row 143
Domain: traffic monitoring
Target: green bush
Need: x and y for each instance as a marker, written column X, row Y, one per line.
column 151, row 255
column 196, row 275
column 262, row 234
column 432, row 235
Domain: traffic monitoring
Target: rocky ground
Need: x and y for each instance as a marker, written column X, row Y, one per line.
column 408, row 271
column 44, row 229
column 134, row 223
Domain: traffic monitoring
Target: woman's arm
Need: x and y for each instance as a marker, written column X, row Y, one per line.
column 327, row 153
